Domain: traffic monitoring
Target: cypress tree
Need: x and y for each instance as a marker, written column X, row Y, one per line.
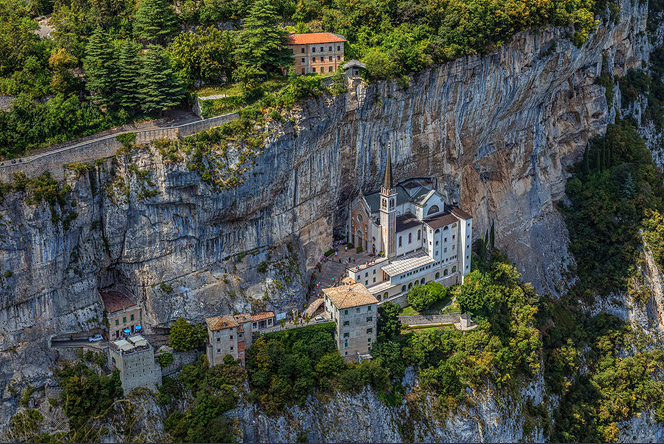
column 159, row 88
column 101, row 68
column 128, row 74
column 262, row 44
column 155, row 21
column 492, row 235
column 586, row 161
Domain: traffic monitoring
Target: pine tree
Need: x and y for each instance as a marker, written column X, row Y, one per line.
column 155, row 21
column 586, row 161
column 101, row 68
column 128, row 75
column 262, row 46
column 628, row 187
column 159, row 88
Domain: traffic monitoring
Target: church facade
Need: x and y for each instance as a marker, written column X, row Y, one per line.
column 422, row 238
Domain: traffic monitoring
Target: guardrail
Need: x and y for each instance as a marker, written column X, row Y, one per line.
column 55, row 160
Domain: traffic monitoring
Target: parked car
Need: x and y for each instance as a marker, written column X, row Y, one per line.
column 320, row 319
column 96, row 338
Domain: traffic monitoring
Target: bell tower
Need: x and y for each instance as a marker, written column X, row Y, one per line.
column 388, row 208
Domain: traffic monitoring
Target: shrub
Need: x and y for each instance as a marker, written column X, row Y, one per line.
column 185, row 336
column 165, row 359
column 166, row 288
column 359, row 249
column 329, row 252
column 262, row 267
column 126, row 139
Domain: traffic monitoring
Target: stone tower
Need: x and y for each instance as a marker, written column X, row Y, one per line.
column 388, row 207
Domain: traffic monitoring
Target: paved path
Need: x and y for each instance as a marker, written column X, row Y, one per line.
column 82, row 343
column 450, row 318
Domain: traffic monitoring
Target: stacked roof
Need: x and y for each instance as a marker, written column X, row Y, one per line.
column 217, row 323
column 348, row 296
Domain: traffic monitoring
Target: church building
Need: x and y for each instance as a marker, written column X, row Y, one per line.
column 422, row 238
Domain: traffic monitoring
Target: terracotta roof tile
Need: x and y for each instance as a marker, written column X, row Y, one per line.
column 217, row 323
column 441, row 220
column 462, row 214
column 242, row 318
column 347, row 296
column 317, row 37
column 115, row 301
column 263, row 315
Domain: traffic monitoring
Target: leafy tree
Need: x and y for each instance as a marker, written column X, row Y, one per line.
column 390, row 355
column 262, row 45
column 159, row 89
column 185, row 336
column 62, row 63
column 388, row 324
column 422, row 297
column 17, row 37
column 101, row 67
column 129, row 75
column 205, row 54
column 155, row 21
column 473, row 295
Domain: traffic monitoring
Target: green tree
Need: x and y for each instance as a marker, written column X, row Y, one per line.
column 159, row 87
column 205, row 54
column 155, row 21
column 185, row 336
column 262, row 46
column 17, row 37
column 129, row 75
column 472, row 295
column 389, row 325
column 101, row 68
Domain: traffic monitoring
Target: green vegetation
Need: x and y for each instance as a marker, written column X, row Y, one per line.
column 421, row 297
column 611, row 192
column 214, row 390
column 26, row 423
column 185, row 336
column 165, row 359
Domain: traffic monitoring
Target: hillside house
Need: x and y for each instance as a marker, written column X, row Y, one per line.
column 124, row 316
column 320, row 52
column 134, row 358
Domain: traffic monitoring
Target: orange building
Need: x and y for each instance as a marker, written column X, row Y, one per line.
column 317, row 52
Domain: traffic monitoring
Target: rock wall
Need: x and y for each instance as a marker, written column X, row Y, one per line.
column 496, row 132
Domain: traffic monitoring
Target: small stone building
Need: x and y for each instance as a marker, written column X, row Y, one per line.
column 319, row 52
column 244, row 337
column 263, row 322
column 353, row 68
column 122, row 313
column 222, row 339
column 354, row 309
column 134, row 357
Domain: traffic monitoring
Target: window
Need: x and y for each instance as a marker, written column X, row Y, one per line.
column 445, row 250
column 338, row 57
column 419, row 233
column 346, row 335
column 302, row 50
column 322, row 48
column 313, row 59
column 468, row 236
column 218, row 350
column 445, row 272
column 368, row 339
column 346, row 312
column 231, row 348
column 369, row 331
column 454, row 269
column 346, row 323
column 437, row 242
column 370, row 318
column 467, row 257
column 400, row 241
column 445, row 240
column 346, row 344
column 374, row 279
column 446, row 228
column 410, row 238
column 132, row 317
column 453, row 236
column 302, row 59
column 357, row 310
column 117, row 322
column 437, row 231
column 403, row 288
column 231, row 336
column 313, row 69
column 330, row 49
column 366, row 283
column 360, row 218
column 303, row 71
column 366, row 274
column 330, row 58
column 374, row 271
column 369, row 307
column 124, row 319
column 329, row 69
column 437, row 275
column 218, row 339
column 313, row 49
column 339, row 49
column 453, row 247
column 423, row 281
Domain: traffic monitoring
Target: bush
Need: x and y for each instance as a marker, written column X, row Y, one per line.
column 185, row 336
column 359, row 249
column 329, row 252
column 421, row 297
column 26, row 423
column 262, row 267
column 126, row 139
column 165, row 359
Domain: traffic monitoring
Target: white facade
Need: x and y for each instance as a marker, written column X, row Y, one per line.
column 432, row 240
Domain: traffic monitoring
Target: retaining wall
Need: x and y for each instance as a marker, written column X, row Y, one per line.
column 450, row 318
column 55, row 160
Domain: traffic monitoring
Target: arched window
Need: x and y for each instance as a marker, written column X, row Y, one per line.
column 419, row 234
column 446, row 228
column 400, row 241
column 385, row 295
column 410, row 285
column 410, row 237
column 433, row 209
column 437, row 275
column 403, row 288
column 445, row 272
column 454, row 269
column 423, row 281
column 437, row 231
column 360, row 218
column 416, row 283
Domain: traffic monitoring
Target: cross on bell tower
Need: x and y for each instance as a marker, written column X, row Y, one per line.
column 388, row 207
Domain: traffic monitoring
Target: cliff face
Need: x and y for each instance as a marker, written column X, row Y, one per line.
column 497, row 132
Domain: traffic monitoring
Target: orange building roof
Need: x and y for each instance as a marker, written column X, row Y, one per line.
column 347, row 296
column 217, row 323
column 115, row 301
column 316, row 37
column 263, row 315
